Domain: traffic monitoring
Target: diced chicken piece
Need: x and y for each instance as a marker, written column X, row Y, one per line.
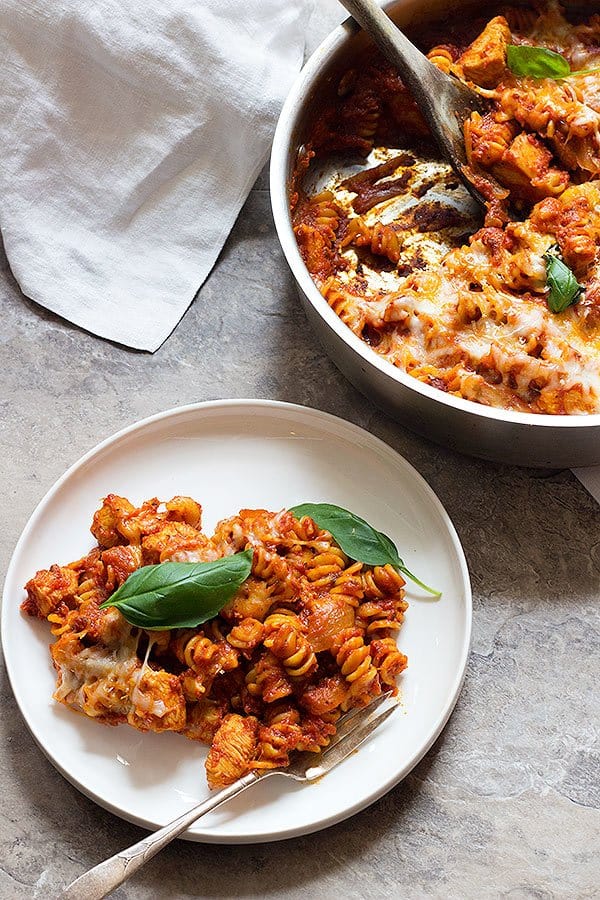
column 48, row 589
column 326, row 695
column 158, row 703
column 574, row 220
column 484, row 62
column 489, row 139
column 578, row 233
column 525, row 169
column 204, row 720
column 327, row 615
column 108, row 518
column 184, row 509
column 173, row 537
column 233, row 750
column 252, row 600
column 120, row 562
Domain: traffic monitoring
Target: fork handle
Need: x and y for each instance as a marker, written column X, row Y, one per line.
column 108, row 875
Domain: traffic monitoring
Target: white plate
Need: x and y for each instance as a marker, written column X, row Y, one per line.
column 230, row 455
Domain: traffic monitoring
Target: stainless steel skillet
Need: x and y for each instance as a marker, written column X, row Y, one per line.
column 518, row 438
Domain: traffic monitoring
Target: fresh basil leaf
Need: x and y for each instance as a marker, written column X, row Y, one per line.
column 178, row 594
column 564, row 287
column 358, row 539
column 536, row 62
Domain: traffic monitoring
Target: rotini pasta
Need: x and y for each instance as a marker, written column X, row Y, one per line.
column 387, row 659
column 443, row 56
column 353, row 657
column 287, row 642
column 247, row 635
column 267, row 679
column 309, row 634
column 349, row 584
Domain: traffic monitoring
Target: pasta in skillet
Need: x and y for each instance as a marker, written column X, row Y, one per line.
column 308, row 635
column 472, row 314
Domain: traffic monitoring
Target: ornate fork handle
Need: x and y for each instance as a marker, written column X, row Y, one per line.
column 108, row 875
column 354, row 729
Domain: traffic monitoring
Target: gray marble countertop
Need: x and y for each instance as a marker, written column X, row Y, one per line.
column 506, row 804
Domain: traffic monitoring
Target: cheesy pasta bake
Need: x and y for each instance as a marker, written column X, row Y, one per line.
column 505, row 312
column 309, row 634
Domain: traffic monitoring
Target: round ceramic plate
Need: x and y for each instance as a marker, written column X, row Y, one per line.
column 230, row 455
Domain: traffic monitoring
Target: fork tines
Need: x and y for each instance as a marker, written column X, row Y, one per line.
column 353, row 729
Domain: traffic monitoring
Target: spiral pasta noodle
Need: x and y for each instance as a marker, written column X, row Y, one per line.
column 364, row 114
column 387, row 659
column 194, row 649
column 377, row 619
column 275, row 742
column 385, row 241
column 382, row 581
column 326, row 213
column 317, row 731
column 349, row 585
column 287, row 642
column 443, row 56
column 282, row 713
column 345, row 306
column 353, row 657
column 267, row 565
column 247, row 635
column 356, row 233
column 324, row 567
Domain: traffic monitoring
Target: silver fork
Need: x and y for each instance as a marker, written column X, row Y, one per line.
column 352, row 730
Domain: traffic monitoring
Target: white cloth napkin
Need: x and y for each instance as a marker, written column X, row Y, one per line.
column 131, row 133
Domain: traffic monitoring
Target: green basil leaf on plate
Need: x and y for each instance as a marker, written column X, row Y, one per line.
column 359, row 540
column 564, row 289
column 536, row 62
column 178, row 594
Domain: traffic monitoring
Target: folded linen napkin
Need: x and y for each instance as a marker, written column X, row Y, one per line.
column 131, row 134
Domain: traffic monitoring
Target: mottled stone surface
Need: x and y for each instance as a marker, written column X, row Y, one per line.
column 507, row 802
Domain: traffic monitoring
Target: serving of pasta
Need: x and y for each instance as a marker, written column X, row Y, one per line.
column 506, row 312
column 308, row 634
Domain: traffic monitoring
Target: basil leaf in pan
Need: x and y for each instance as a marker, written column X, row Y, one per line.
column 180, row 595
column 359, row 540
column 536, row 62
column 564, row 287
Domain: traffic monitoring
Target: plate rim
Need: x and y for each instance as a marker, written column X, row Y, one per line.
column 265, row 404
